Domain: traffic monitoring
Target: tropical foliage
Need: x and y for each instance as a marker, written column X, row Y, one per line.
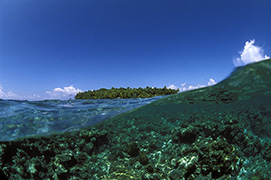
column 125, row 93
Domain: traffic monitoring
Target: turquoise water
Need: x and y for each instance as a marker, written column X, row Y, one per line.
column 218, row 132
column 27, row 118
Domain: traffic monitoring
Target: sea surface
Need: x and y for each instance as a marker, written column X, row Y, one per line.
column 217, row 132
column 30, row 118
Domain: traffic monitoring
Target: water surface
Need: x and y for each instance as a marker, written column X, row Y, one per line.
column 25, row 118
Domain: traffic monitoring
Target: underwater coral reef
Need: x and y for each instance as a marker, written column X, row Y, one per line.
column 218, row 132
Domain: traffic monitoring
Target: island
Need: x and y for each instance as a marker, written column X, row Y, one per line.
column 125, row 93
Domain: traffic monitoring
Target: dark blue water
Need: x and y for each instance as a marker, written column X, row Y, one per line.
column 27, row 118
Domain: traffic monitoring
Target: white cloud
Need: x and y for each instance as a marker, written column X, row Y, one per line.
column 172, row 87
column 63, row 93
column 7, row 95
column 211, row 82
column 57, row 93
column 186, row 87
column 250, row 54
column 11, row 95
column 191, row 87
column 183, row 87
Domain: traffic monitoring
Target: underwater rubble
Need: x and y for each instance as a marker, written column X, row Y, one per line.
column 218, row 132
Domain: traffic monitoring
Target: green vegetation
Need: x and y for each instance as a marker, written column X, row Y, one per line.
column 125, row 93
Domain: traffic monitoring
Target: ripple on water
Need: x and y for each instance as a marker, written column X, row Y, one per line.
column 26, row 118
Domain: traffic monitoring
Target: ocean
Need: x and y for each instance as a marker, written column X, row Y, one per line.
column 20, row 119
column 217, row 132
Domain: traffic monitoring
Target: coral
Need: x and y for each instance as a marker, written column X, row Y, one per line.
column 217, row 157
column 219, row 132
column 133, row 149
column 3, row 176
column 143, row 159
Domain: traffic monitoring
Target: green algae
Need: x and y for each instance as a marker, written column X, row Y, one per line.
column 218, row 132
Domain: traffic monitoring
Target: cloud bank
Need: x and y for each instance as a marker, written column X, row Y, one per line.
column 186, row 87
column 57, row 93
column 250, row 54
column 7, row 95
column 11, row 95
column 63, row 93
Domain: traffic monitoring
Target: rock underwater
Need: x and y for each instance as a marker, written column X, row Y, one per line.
column 217, row 132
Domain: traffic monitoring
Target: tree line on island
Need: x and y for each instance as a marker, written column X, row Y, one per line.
column 125, row 93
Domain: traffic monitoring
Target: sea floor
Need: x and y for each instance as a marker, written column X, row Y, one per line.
column 154, row 142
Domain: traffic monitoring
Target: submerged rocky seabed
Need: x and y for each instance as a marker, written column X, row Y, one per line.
column 196, row 144
column 219, row 132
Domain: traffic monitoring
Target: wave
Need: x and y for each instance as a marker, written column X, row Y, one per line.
column 30, row 118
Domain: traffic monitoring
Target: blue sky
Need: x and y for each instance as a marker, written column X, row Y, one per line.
column 91, row 44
